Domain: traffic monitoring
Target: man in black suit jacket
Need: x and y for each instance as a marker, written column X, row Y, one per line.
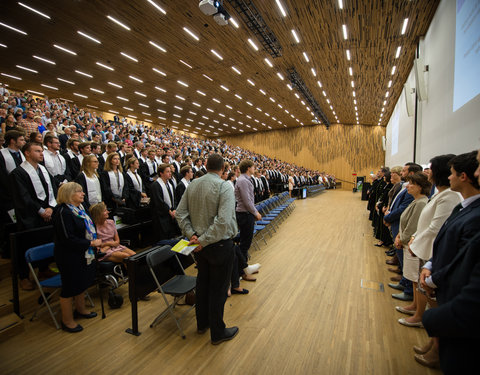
column 182, row 185
column 63, row 138
column 457, row 231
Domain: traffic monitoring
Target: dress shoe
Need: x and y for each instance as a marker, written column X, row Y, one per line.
column 392, row 262
column 76, row 329
column 26, row 284
column 77, row 315
column 250, row 270
column 395, row 270
column 403, row 297
column 243, row 291
column 429, row 359
column 230, row 333
column 403, row 310
column 396, row 278
column 396, row 286
column 405, row 322
column 423, row 349
column 201, row 331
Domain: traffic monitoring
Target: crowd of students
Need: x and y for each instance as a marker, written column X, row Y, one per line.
column 429, row 220
column 60, row 163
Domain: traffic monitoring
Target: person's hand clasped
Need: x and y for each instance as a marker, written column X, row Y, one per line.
column 194, row 241
column 47, row 214
column 96, row 243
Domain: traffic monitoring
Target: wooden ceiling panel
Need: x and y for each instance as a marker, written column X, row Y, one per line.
column 373, row 37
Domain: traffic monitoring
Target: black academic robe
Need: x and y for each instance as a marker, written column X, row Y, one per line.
column 83, row 183
column 6, row 201
column 133, row 196
column 164, row 225
column 107, row 194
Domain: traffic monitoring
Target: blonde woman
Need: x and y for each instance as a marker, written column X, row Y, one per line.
column 75, row 242
column 113, row 182
column 107, row 232
column 88, row 179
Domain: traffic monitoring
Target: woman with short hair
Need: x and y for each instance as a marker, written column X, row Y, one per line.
column 75, row 239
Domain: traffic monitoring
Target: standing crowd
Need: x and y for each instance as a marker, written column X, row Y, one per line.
column 429, row 221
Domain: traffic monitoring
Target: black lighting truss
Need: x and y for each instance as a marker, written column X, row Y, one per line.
column 255, row 22
column 297, row 83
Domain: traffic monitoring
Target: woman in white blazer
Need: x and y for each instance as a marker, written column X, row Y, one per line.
column 431, row 220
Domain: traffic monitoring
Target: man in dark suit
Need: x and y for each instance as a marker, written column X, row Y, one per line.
column 63, row 138
column 33, row 198
column 187, row 174
column 454, row 274
column 148, row 170
column 392, row 219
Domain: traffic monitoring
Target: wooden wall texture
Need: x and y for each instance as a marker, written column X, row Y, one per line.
column 341, row 150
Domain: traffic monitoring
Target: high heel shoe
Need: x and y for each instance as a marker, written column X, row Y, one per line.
column 423, row 349
column 76, row 329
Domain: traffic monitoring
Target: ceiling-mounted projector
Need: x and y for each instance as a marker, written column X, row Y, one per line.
column 209, row 7
column 220, row 19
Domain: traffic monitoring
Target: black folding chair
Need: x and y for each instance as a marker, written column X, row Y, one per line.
column 163, row 267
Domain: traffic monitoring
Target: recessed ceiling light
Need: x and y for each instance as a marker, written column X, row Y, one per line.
column 122, row 98
column 161, row 101
column 272, row 100
column 179, row 97
column 157, row 6
column 157, row 46
column 207, row 77
column 112, row 111
column 13, row 28
column 129, row 57
column 352, row 83
column 83, row 73
column 295, row 36
column 178, row 116
column 182, row 83
column 394, row 68
column 216, row 100
column 44, row 60
column 404, row 26
column 118, row 23
column 306, row 57
column 65, row 50
column 252, row 43
column 161, row 110
column 289, row 86
column 350, row 71
column 267, row 61
column 160, row 89
column 234, row 23
column 238, row 96
column 251, row 82
column 184, row 63
column 319, row 84
column 105, row 102
column 37, row 92
column 34, row 10
column 297, row 96
column 389, row 83
column 344, row 30
column 177, row 107
column 89, row 37
column 105, row 66
column 129, row 109
column 80, row 95
column 135, row 79
column 236, row 70
column 3, row 45
column 27, row 69
column 201, row 93
column 140, row 94
column 225, row 88
column 314, row 72
column 96, row 90
column 281, row 8
column 66, row 81
column 250, row 104
column 191, row 34
column 348, row 54
column 92, row 106
column 159, row 72
column 386, row 94
column 115, row 85
column 10, row 76
column 280, row 76
column 340, row 4
column 196, row 104
column 263, row 92
column 216, row 54
column 354, row 94
column 229, row 107
column 397, row 54
column 324, row 93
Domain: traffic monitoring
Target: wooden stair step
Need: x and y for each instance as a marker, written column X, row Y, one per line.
column 10, row 325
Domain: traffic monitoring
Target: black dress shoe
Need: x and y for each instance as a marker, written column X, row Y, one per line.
column 78, row 328
column 243, row 291
column 77, row 315
column 230, row 333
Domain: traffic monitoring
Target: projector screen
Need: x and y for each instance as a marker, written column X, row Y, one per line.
column 467, row 52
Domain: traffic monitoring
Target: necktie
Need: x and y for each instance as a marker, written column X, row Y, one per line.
column 16, row 158
column 170, row 195
column 44, row 183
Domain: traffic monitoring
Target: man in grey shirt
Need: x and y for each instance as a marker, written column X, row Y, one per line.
column 206, row 215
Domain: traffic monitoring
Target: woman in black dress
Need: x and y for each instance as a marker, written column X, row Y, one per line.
column 75, row 240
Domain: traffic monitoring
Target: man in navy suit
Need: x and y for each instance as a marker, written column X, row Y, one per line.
column 454, row 274
column 392, row 219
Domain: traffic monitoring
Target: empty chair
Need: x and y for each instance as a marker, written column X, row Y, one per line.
column 170, row 279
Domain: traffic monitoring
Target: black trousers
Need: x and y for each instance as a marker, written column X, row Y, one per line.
column 214, row 263
column 246, row 223
column 239, row 263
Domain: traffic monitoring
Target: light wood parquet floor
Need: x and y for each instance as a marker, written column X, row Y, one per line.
column 306, row 314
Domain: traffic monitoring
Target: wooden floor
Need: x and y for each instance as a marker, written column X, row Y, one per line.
column 306, row 314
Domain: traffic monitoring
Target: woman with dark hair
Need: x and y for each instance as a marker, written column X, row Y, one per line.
column 431, row 219
column 35, row 137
